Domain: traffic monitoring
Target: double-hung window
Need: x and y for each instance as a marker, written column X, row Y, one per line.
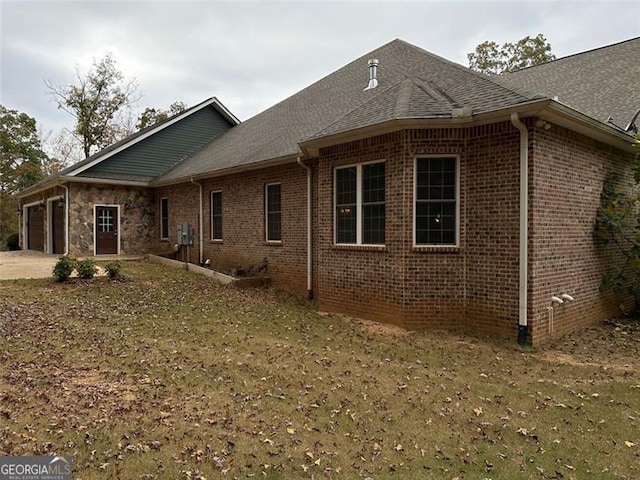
column 360, row 204
column 216, row 215
column 164, row 218
column 273, row 212
column 436, row 201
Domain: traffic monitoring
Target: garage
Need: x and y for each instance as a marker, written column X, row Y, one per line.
column 57, row 227
column 35, row 228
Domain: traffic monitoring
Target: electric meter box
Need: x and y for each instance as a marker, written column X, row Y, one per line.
column 185, row 234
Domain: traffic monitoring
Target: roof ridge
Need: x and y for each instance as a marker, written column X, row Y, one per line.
column 430, row 88
column 404, row 98
column 360, row 105
column 468, row 70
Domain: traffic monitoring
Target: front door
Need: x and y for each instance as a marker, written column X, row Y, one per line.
column 106, row 230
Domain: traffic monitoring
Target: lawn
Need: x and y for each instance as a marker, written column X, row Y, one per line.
column 169, row 375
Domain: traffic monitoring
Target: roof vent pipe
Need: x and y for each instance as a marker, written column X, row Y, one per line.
column 373, row 74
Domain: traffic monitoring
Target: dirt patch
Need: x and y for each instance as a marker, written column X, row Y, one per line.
column 613, row 345
column 382, row 328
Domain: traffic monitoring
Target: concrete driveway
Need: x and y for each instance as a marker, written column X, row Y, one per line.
column 28, row 264
column 25, row 264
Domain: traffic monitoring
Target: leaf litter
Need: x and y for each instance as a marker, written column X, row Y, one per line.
column 169, row 375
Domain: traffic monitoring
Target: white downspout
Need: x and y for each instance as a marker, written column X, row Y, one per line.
column 524, row 228
column 200, row 224
column 309, row 253
column 66, row 220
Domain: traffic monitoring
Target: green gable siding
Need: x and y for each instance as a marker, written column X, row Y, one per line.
column 156, row 154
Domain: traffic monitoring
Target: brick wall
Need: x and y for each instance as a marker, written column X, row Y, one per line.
column 568, row 172
column 473, row 286
column 244, row 238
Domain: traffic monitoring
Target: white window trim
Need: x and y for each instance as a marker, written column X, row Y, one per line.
column 211, row 213
column 358, row 204
column 415, row 196
column 95, row 225
column 160, row 223
column 266, row 212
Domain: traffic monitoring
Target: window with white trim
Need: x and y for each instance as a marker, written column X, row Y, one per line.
column 360, row 204
column 436, row 201
column 164, row 218
column 273, row 212
column 216, row 215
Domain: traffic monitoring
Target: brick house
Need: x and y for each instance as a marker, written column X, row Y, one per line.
column 104, row 204
column 410, row 190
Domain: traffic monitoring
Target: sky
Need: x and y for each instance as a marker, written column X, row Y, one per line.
column 251, row 55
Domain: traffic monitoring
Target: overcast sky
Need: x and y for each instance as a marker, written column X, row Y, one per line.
column 252, row 55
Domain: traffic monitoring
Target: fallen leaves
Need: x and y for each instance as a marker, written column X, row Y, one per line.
column 178, row 378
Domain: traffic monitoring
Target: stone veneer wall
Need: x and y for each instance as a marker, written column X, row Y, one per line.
column 137, row 217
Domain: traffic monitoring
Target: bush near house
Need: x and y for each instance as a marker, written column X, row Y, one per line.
column 113, row 269
column 64, row 267
column 13, row 242
column 86, row 268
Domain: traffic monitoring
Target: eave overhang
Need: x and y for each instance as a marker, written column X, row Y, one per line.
column 273, row 162
column 547, row 109
column 58, row 181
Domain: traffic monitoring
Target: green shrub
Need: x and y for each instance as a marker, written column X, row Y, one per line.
column 113, row 269
column 13, row 242
column 86, row 268
column 63, row 268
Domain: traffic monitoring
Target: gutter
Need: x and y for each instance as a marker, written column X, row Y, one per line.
column 309, row 227
column 200, row 224
column 524, row 229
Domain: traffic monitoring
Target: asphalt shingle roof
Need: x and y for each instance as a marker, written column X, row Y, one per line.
column 413, row 83
column 600, row 83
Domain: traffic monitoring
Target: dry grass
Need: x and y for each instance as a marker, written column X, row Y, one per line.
column 168, row 375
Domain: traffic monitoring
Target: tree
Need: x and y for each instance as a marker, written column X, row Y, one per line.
column 618, row 224
column 491, row 59
column 151, row 116
column 21, row 160
column 62, row 150
column 102, row 94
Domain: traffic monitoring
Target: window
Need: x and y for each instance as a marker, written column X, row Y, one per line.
column 164, row 218
column 436, row 201
column 360, row 204
column 216, row 215
column 273, row 212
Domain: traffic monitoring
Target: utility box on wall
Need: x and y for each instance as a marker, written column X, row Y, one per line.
column 185, row 235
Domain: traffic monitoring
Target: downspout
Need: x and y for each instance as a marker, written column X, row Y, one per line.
column 524, row 228
column 66, row 220
column 309, row 253
column 200, row 224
